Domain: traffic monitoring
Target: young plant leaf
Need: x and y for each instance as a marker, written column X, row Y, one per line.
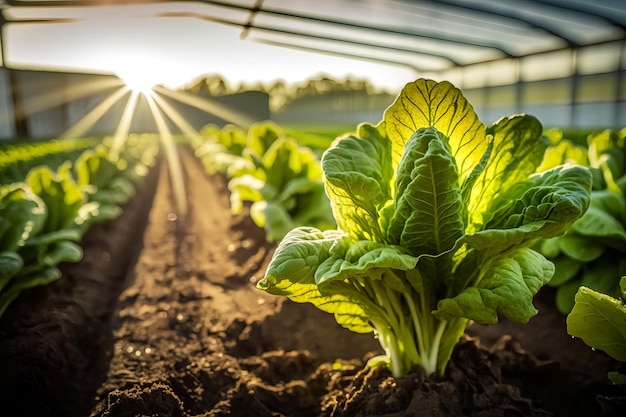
column 508, row 289
column 424, row 103
column 517, row 151
column 600, row 321
column 426, row 218
column 292, row 273
column 10, row 264
column 23, row 215
column 358, row 179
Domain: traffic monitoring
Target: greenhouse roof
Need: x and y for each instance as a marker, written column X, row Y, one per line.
column 425, row 35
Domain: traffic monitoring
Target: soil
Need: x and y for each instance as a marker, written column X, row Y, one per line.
column 162, row 318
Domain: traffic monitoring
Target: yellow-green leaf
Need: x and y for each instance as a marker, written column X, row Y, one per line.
column 426, row 103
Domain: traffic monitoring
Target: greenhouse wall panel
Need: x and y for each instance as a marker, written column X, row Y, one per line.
column 6, row 106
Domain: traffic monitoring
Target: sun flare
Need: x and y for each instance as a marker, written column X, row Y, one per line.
column 141, row 74
column 138, row 80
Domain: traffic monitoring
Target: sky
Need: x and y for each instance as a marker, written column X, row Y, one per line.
column 172, row 51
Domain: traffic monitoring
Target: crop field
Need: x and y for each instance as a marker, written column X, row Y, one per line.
column 428, row 265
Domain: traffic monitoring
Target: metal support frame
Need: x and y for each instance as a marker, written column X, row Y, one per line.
column 619, row 84
column 20, row 121
column 575, row 78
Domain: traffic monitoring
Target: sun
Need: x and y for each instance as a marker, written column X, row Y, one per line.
column 138, row 79
column 142, row 73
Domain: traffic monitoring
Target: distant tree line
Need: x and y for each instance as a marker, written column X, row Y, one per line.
column 281, row 93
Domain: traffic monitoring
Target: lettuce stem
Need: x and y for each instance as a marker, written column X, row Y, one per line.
column 407, row 340
column 429, row 363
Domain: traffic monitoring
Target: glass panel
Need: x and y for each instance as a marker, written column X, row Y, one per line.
column 578, row 26
column 595, row 88
column 503, row 96
column 598, row 59
column 476, row 97
column 6, row 106
column 502, row 72
column 474, row 76
column 546, row 66
column 547, row 92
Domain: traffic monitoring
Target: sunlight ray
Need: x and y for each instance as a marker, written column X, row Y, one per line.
column 123, row 129
column 178, row 119
column 81, row 127
column 210, row 106
column 175, row 168
column 67, row 93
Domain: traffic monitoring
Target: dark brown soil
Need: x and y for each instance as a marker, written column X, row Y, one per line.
column 162, row 318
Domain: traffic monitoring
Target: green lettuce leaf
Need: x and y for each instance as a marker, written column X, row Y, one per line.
column 10, row 264
column 358, row 177
column 22, row 215
column 261, row 136
column 292, row 272
column 603, row 221
column 507, row 288
column 426, row 218
column 600, row 321
column 285, row 179
column 517, row 151
column 563, row 152
column 61, row 195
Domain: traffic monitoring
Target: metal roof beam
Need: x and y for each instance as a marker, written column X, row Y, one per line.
column 412, row 51
column 79, row 3
column 342, row 54
column 312, row 36
column 355, row 25
column 250, row 25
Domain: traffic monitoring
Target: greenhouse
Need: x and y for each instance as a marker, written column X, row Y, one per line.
column 337, row 208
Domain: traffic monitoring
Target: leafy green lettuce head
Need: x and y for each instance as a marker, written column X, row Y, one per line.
column 436, row 214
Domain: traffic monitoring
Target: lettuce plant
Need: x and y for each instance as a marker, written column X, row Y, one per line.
column 37, row 230
column 221, row 152
column 285, row 189
column 591, row 253
column 436, row 214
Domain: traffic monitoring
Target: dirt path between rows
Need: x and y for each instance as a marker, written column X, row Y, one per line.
column 192, row 319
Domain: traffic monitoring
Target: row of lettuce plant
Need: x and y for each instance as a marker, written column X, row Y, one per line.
column 590, row 258
column 279, row 177
column 47, row 210
column 441, row 221
column 18, row 158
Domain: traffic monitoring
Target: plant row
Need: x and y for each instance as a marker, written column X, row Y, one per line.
column 430, row 220
column 18, row 158
column 45, row 208
column 590, row 258
column 273, row 172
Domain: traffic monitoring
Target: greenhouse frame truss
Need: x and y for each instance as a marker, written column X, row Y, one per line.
column 501, row 52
